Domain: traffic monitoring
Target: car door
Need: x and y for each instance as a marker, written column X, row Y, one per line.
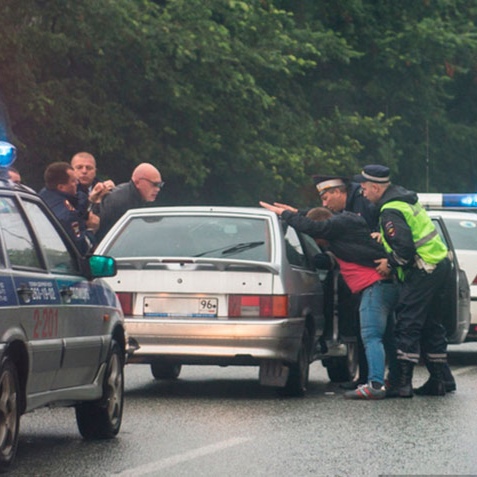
column 306, row 279
column 69, row 316
column 31, row 293
column 455, row 303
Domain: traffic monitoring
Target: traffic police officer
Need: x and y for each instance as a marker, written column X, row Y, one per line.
column 420, row 257
column 339, row 194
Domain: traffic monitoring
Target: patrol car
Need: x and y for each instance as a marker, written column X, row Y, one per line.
column 62, row 336
column 459, row 214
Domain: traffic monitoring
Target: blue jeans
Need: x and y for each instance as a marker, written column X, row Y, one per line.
column 376, row 314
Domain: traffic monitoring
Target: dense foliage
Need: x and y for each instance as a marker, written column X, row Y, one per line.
column 237, row 101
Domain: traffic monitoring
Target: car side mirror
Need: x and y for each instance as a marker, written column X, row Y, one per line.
column 101, row 266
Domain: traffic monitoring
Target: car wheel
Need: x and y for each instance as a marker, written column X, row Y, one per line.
column 9, row 414
column 297, row 381
column 165, row 371
column 102, row 419
column 343, row 368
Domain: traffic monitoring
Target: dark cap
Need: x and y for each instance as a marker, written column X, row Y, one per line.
column 373, row 173
column 324, row 183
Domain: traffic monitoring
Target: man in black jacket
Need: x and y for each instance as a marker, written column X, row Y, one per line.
column 140, row 191
column 339, row 194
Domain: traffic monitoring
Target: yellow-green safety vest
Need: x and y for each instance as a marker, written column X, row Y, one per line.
column 426, row 238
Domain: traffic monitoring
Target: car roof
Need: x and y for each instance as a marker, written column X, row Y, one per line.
column 199, row 210
column 8, row 185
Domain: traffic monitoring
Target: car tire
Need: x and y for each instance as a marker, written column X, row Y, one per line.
column 9, row 413
column 344, row 368
column 165, row 371
column 101, row 419
column 299, row 372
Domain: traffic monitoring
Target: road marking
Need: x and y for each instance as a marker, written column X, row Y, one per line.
column 179, row 458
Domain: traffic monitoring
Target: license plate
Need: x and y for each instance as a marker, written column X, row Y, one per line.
column 193, row 306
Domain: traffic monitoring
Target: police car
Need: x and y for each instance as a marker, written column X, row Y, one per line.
column 62, row 337
column 459, row 214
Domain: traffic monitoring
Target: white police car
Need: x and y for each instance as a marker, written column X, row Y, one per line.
column 459, row 214
column 62, row 337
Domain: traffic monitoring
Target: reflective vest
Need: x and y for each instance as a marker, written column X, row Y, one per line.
column 428, row 243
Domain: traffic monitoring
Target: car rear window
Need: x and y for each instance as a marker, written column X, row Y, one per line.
column 463, row 233
column 194, row 236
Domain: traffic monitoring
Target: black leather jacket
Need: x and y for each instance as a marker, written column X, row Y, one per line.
column 348, row 234
column 113, row 206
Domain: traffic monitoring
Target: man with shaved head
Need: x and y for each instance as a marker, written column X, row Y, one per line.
column 140, row 191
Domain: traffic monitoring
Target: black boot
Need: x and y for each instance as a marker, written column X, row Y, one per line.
column 392, row 384
column 449, row 381
column 406, row 369
column 435, row 385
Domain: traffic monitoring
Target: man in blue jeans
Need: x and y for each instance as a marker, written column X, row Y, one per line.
column 349, row 240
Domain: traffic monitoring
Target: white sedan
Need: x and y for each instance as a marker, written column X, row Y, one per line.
column 224, row 286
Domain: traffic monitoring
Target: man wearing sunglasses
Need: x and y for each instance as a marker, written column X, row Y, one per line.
column 140, row 191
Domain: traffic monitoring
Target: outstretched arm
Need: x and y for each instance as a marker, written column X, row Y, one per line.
column 286, row 207
column 277, row 208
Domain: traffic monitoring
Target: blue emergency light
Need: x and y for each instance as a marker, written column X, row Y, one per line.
column 451, row 201
column 8, row 154
column 459, row 200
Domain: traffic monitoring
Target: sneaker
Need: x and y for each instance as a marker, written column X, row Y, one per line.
column 366, row 392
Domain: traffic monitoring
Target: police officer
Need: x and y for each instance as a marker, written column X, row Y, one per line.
column 59, row 194
column 339, row 194
column 420, row 258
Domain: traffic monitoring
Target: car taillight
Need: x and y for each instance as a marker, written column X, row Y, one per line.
column 126, row 302
column 271, row 306
column 474, row 282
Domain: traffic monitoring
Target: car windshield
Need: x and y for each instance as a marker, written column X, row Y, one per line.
column 463, row 233
column 204, row 236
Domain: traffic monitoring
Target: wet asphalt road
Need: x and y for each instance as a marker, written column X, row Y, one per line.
column 220, row 422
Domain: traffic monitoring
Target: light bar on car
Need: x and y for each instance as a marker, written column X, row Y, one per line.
column 456, row 201
column 8, row 154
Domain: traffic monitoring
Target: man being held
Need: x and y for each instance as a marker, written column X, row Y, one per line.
column 60, row 195
column 416, row 251
column 140, row 191
column 349, row 239
column 339, row 194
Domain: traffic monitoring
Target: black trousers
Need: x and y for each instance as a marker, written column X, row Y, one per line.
column 418, row 318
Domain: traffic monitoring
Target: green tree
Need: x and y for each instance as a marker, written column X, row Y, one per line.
column 417, row 67
column 236, row 101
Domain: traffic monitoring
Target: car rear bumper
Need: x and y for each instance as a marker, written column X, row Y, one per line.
column 221, row 341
